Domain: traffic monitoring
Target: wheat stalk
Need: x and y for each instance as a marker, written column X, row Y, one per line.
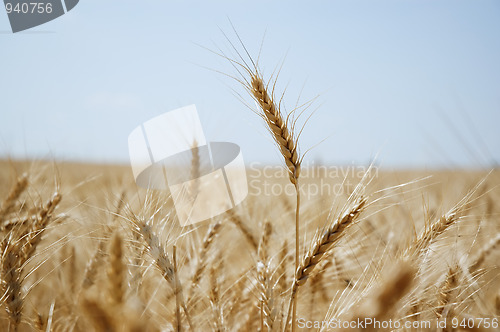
column 283, row 134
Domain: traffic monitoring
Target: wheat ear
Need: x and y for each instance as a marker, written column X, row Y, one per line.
column 201, row 262
column 16, row 191
column 92, row 268
column 430, row 233
column 163, row 263
column 446, row 291
column 278, row 125
column 69, row 260
column 214, row 296
column 265, row 287
column 34, row 236
column 321, row 245
column 238, row 222
column 116, row 270
column 325, row 242
column 428, row 236
column 264, row 242
column 15, row 253
column 12, row 280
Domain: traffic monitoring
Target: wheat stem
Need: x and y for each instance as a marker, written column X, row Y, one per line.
column 297, row 226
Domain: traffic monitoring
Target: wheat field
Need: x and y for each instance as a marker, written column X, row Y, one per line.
column 84, row 249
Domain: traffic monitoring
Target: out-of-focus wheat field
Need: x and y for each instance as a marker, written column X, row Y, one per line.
column 85, row 249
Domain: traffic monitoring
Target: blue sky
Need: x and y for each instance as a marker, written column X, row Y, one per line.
column 416, row 83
